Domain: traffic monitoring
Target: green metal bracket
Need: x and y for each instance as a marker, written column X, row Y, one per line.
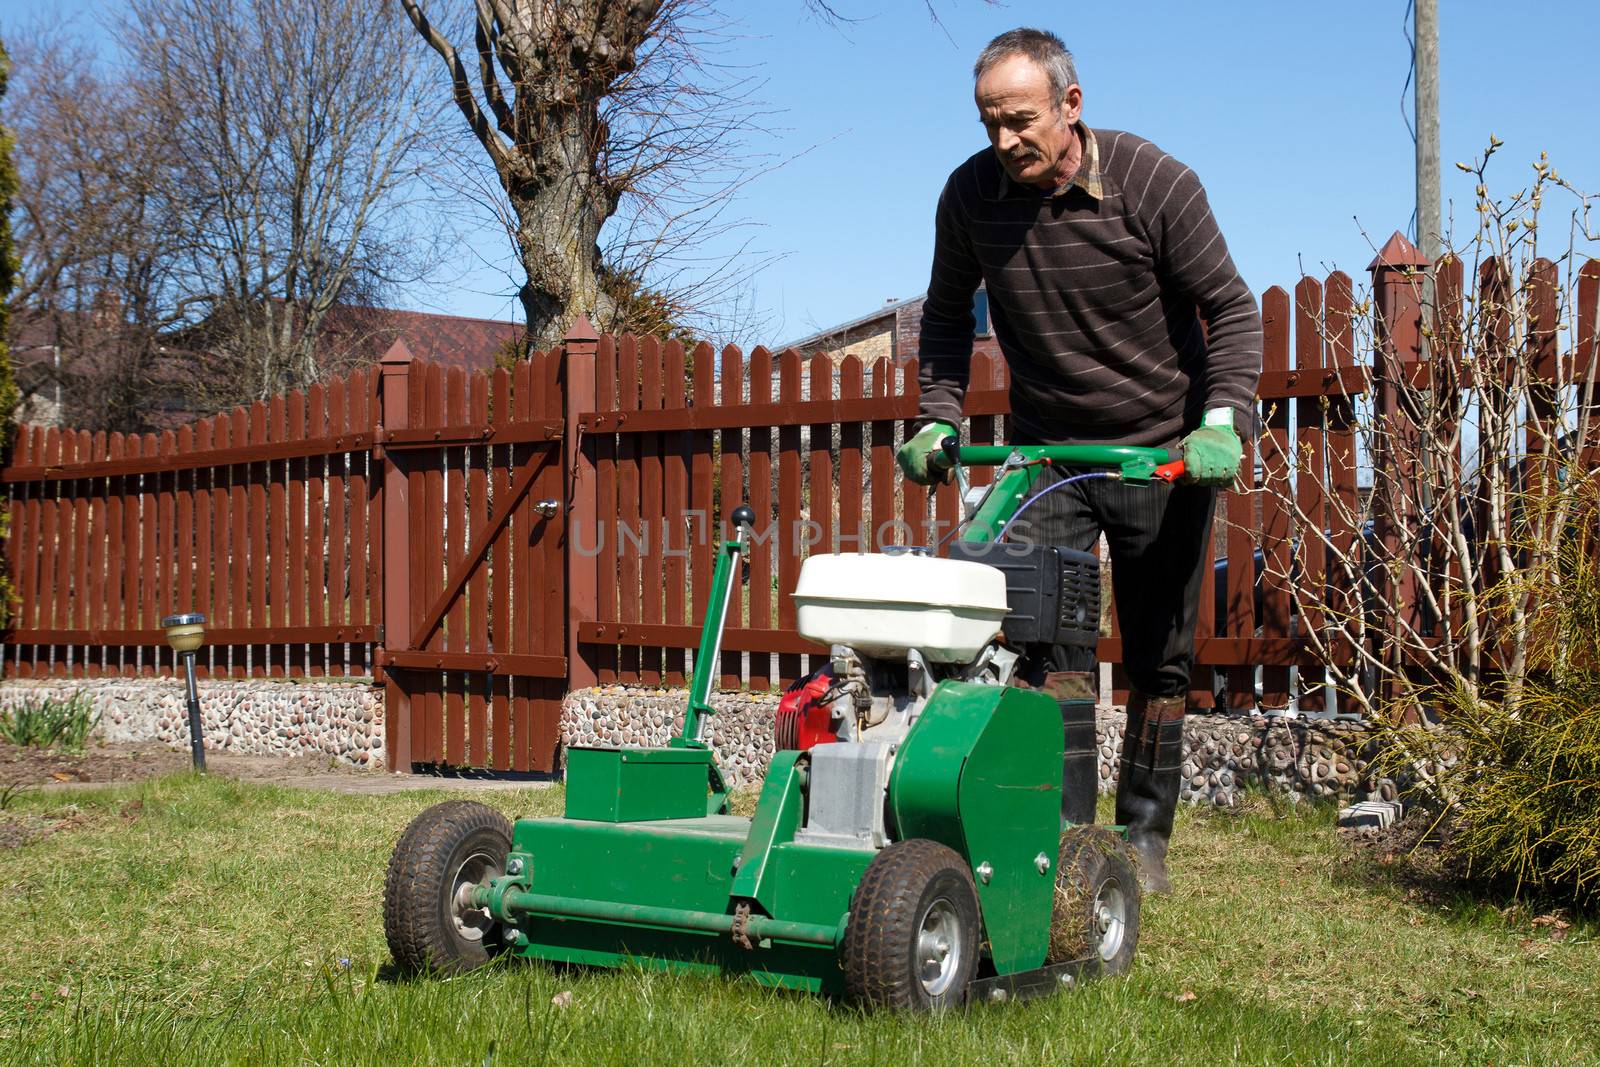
column 777, row 818
column 706, row 656
column 1013, row 486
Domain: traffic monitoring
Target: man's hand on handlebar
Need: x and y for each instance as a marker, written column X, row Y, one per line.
column 1212, row 453
column 913, row 456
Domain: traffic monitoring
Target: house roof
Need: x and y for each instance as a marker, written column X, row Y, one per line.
column 34, row 335
column 889, row 309
column 453, row 340
column 364, row 333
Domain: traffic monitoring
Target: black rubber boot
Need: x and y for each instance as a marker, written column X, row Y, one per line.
column 1075, row 695
column 1148, row 781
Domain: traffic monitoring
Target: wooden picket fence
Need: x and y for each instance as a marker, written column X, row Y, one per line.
column 260, row 517
column 810, row 444
column 478, row 544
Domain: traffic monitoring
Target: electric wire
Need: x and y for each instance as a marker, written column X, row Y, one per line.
column 1405, row 28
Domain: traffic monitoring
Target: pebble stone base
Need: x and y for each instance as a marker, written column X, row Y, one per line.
column 341, row 721
column 1222, row 753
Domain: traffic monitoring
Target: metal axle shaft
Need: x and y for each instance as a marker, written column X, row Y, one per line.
column 517, row 902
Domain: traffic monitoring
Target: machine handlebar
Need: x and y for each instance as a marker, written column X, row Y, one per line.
column 1131, row 462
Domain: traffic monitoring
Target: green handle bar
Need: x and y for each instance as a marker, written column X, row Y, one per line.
column 1020, row 468
column 1133, row 463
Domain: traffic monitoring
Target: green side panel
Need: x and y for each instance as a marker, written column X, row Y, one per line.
column 1010, row 799
column 628, row 784
column 685, row 863
column 980, row 771
column 777, row 818
column 680, row 863
column 814, row 884
column 923, row 787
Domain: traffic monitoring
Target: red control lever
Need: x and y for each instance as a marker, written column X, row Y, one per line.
column 1169, row 472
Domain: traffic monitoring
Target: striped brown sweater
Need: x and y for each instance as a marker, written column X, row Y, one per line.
column 1094, row 300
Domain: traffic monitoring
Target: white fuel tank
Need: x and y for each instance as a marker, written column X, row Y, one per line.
column 882, row 604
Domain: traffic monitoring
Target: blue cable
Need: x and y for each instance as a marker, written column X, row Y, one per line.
column 1050, row 489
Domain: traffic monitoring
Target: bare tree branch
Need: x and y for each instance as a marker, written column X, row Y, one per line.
column 498, row 152
column 1475, row 452
column 195, row 207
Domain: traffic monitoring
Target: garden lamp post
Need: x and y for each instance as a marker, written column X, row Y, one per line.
column 186, row 633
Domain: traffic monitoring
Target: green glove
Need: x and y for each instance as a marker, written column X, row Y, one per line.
column 1211, row 454
column 913, row 455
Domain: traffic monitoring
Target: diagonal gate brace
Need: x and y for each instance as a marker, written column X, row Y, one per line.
column 476, row 551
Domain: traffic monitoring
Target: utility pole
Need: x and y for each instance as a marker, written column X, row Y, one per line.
column 1425, row 34
column 1425, row 72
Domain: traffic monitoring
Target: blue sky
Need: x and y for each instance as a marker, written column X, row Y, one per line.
column 1290, row 112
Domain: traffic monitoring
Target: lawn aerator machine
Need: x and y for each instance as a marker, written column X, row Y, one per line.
column 909, row 848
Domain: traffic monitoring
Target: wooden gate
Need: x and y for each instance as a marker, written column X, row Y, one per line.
column 473, row 652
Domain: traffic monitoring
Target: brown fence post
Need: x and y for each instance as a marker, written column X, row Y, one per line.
column 394, row 413
column 583, row 601
column 1397, row 293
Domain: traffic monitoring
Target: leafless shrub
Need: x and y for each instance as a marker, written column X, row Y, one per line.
column 1416, row 595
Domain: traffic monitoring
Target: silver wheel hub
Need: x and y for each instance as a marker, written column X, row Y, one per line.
column 939, row 948
column 472, row 923
column 1110, row 919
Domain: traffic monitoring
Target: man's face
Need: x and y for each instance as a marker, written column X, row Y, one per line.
column 1030, row 129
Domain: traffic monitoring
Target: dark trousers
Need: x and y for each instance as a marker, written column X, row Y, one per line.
column 1160, row 541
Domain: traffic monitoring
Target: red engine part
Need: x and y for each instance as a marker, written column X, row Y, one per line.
column 804, row 719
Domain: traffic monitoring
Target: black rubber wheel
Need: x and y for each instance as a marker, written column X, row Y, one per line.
column 1096, row 911
column 446, row 850
column 912, row 938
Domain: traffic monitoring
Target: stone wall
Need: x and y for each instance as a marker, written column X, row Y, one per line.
column 1222, row 753
column 344, row 721
column 341, row 721
column 741, row 730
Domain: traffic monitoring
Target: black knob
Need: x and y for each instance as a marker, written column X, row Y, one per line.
column 951, row 447
column 743, row 516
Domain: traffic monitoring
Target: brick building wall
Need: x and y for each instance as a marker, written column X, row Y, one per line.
column 908, row 331
column 895, row 330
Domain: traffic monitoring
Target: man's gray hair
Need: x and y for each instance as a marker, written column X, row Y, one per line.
column 1041, row 46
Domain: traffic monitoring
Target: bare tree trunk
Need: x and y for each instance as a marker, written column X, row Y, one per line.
column 546, row 137
column 598, row 110
column 560, row 210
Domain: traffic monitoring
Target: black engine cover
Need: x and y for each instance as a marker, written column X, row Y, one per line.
column 1053, row 593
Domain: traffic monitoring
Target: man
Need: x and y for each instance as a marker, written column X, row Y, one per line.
column 1101, row 257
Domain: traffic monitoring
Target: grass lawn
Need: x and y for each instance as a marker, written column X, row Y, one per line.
column 188, row 920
